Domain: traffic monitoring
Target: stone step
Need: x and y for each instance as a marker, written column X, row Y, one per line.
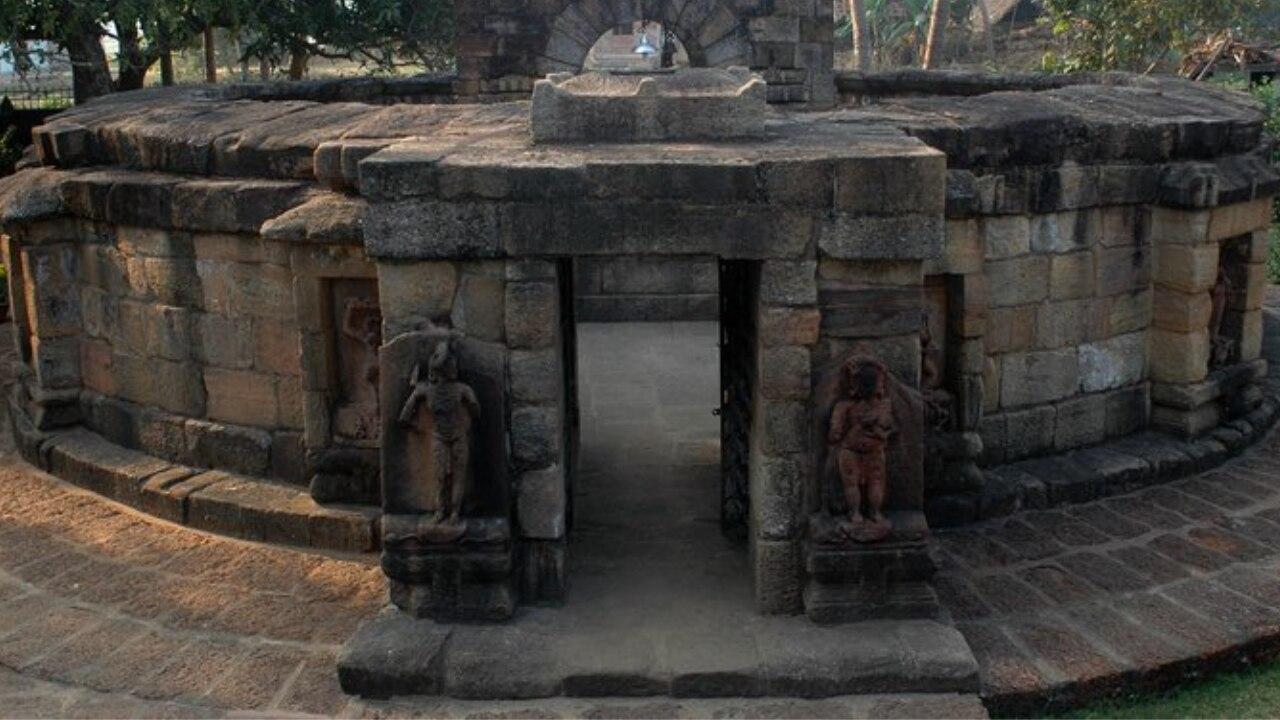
column 550, row 652
column 211, row 500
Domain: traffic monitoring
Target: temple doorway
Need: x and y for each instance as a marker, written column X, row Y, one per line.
column 655, row 517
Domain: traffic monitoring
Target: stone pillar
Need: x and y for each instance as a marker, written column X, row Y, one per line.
column 1206, row 337
column 779, row 467
column 866, row 552
column 46, row 292
column 539, row 425
column 448, row 555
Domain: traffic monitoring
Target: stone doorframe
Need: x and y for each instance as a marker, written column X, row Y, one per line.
column 458, row 261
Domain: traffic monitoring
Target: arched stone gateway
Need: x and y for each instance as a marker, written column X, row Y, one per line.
column 988, row 295
column 504, row 45
column 712, row 34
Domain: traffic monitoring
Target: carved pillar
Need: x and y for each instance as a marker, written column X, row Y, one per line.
column 47, row 318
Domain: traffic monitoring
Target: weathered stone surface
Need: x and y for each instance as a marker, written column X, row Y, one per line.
column 1113, row 363
column 542, row 503
column 1037, row 377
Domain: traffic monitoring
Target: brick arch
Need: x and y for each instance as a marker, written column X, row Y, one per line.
column 712, row 33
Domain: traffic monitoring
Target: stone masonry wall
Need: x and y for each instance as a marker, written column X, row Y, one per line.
column 1065, row 348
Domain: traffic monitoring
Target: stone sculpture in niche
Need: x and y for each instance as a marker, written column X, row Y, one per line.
column 452, row 410
column 1222, row 347
column 937, row 401
column 358, row 419
column 861, row 426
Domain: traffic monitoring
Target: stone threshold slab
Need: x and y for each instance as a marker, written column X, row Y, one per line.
column 847, row 707
column 210, row 500
column 550, row 652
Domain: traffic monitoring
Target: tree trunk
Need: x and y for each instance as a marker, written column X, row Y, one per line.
column 166, row 67
column 861, row 35
column 987, row 30
column 90, row 74
column 264, row 68
column 210, row 57
column 298, row 59
column 936, row 21
column 133, row 65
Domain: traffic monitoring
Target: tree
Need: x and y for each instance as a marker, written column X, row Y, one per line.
column 1136, row 34
column 861, row 35
column 936, row 23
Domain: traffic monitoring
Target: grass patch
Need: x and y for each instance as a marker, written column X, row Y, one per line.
column 1253, row 693
column 1273, row 256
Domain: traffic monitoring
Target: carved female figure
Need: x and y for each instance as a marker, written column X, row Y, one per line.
column 862, row 424
column 362, row 322
column 454, row 411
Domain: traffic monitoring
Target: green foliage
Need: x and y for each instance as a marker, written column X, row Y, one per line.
column 10, row 150
column 1134, row 34
column 898, row 28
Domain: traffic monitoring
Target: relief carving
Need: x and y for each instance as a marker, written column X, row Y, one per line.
column 1222, row 347
column 443, row 411
column 357, row 417
column 937, row 401
column 861, row 426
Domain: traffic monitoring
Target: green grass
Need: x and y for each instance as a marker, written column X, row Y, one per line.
column 1252, row 693
column 1273, row 256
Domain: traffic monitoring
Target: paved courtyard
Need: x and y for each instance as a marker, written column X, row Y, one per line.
column 106, row 612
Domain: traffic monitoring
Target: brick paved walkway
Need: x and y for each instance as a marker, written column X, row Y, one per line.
column 1131, row 592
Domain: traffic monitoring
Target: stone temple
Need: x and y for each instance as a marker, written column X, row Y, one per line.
column 341, row 315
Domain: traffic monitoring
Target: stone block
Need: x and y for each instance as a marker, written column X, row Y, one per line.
column 780, row 326
column 413, row 292
column 788, row 282
column 1128, row 312
column 536, row 376
column 1180, row 311
column 1069, row 322
column 903, row 185
column 784, row 373
column 1123, row 270
column 1178, row 226
column 785, row 427
column 1065, row 232
column 1018, row 281
column 535, row 436
column 168, row 332
column 56, row 362
column 1121, row 226
column 234, row 449
column 1011, row 329
column 290, row 399
column 542, row 503
column 893, row 237
column 172, row 281
column 1033, row 378
column 1113, row 363
column 242, row 397
column 96, row 372
column 223, row 341
column 1227, row 221
column 288, row 457
column 163, row 435
column 1071, row 276
column 990, row 384
column 1128, row 410
column 1186, row 424
column 869, row 273
column 1247, row 326
column 532, row 315
column 777, row 489
column 1179, row 357
column 776, row 568
column 1029, row 432
column 1080, row 421
column 276, row 347
column 52, row 300
column 962, row 251
column 1005, row 236
column 870, row 312
column 1187, row 268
